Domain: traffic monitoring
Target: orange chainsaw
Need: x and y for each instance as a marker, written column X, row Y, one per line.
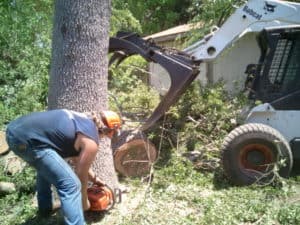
column 102, row 197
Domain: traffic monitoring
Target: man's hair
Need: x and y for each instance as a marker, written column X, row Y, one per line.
column 96, row 117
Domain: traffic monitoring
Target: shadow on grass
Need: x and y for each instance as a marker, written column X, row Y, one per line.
column 55, row 219
column 220, row 181
column 93, row 217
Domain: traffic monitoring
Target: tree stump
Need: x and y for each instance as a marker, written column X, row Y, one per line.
column 134, row 154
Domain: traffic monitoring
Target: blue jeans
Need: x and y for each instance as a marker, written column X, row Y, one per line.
column 52, row 169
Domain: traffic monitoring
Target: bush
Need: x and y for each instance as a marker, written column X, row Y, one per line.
column 24, row 57
column 198, row 122
column 129, row 90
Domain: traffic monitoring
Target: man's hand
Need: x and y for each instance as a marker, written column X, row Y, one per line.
column 87, row 205
column 98, row 181
column 94, row 179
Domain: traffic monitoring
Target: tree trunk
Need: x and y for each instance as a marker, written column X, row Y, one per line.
column 78, row 76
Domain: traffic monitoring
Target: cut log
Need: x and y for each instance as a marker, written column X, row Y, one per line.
column 135, row 157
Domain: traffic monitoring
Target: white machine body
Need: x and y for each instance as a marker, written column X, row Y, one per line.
column 254, row 16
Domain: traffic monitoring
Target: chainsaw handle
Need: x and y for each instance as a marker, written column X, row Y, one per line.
column 117, row 195
column 113, row 198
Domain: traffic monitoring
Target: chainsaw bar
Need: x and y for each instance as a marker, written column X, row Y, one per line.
column 180, row 66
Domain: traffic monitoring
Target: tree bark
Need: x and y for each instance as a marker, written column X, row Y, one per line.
column 79, row 68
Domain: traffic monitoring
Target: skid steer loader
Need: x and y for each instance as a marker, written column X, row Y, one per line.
column 268, row 141
column 270, row 132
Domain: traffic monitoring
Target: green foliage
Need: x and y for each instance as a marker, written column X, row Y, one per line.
column 124, row 76
column 213, row 12
column 289, row 214
column 179, row 170
column 209, row 14
column 16, row 207
column 123, row 20
column 242, row 205
column 24, row 56
column 156, row 15
column 199, row 121
column 129, row 89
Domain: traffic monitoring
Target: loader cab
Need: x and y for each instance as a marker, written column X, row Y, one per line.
column 276, row 78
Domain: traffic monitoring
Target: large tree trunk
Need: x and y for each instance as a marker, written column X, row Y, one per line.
column 78, row 77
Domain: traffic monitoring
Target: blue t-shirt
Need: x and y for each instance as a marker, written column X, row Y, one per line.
column 55, row 128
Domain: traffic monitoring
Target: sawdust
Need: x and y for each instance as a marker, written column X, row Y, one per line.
column 131, row 201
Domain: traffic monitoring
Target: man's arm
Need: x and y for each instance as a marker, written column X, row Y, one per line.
column 91, row 174
column 87, row 155
column 94, row 179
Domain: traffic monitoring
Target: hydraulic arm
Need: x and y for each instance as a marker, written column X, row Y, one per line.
column 254, row 16
column 180, row 67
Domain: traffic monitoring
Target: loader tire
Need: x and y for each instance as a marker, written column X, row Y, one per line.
column 250, row 153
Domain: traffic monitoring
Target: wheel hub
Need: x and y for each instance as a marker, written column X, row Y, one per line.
column 256, row 157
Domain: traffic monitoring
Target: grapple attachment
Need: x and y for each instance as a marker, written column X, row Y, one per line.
column 180, row 67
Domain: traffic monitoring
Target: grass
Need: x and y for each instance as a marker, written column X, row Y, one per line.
column 185, row 196
column 178, row 194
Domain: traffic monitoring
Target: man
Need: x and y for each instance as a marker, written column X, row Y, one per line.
column 44, row 140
